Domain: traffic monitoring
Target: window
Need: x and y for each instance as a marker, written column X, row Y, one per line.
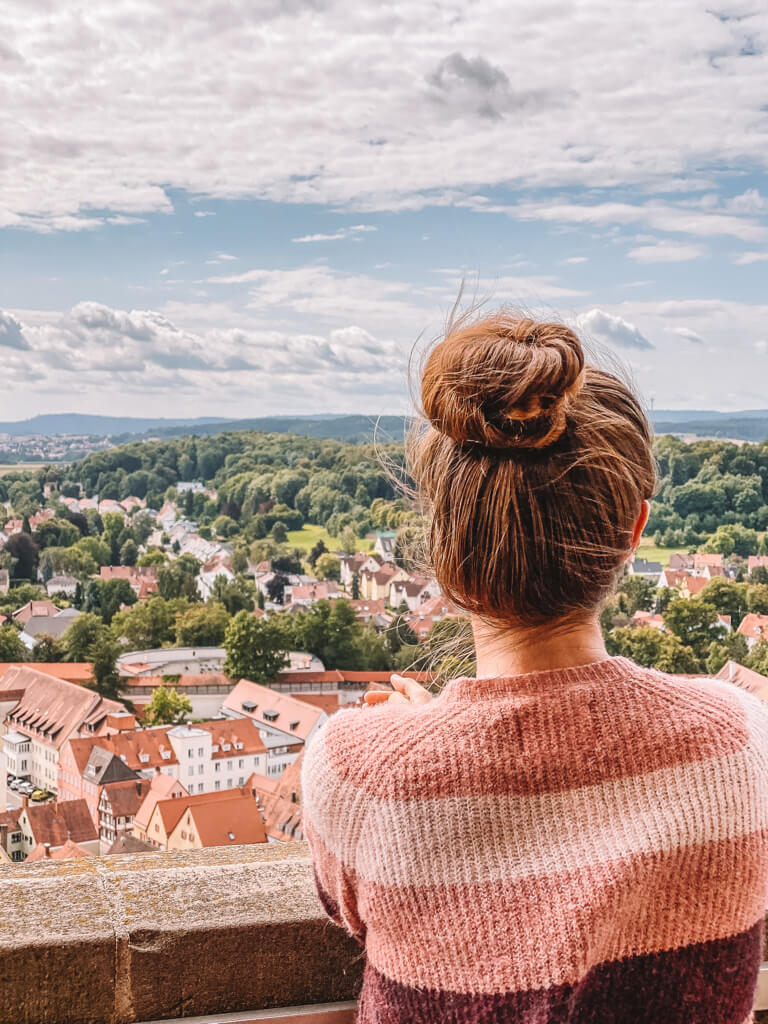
column 217, row 766
column 199, row 787
column 191, row 770
column 183, row 834
column 217, row 784
column 157, row 828
column 200, row 752
column 229, row 783
column 229, row 766
column 241, row 763
column 200, row 769
column 190, row 752
column 240, row 781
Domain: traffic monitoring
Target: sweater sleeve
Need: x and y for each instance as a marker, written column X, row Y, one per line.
column 328, row 826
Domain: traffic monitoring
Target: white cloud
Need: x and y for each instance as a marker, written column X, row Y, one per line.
column 687, row 334
column 576, row 259
column 352, row 232
column 761, row 347
column 11, row 334
column 383, row 107
column 665, row 252
column 612, row 329
column 750, row 257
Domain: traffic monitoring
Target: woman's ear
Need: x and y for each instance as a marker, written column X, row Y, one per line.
column 640, row 524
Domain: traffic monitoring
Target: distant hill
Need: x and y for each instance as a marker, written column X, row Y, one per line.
column 355, row 429
column 102, row 426
column 738, row 428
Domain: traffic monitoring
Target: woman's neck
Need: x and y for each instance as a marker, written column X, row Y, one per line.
column 513, row 651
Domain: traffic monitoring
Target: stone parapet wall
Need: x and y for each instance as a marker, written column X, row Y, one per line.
column 146, row 937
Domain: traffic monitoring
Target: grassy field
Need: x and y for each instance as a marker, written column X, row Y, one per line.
column 20, row 467
column 309, row 535
column 652, row 553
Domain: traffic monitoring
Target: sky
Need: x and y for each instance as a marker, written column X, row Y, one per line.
column 269, row 207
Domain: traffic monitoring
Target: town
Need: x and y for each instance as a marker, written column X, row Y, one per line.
column 168, row 647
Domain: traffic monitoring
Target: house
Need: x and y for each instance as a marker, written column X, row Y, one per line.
column 118, row 805
column 692, row 586
column 205, row 757
column 66, row 585
column 372, row 613
column 752, row 682
column 753, row 562
column 161, row 787
column 648, row 570
column 11, row 836
column 5, row 581
column 35, row 609
column 216, row 567
column 232, row 818
column 426, row 615
column 385, row 544
column 126, row 843
column 345, row 685
column 285, row 724
column 673, row 578
column 40, row 517
column 47, row 625
column 375, row 586
column 13, row 526
column 412, row 592
column 282, row 809
column 643, row 618
column 166, row 517
column 42, row 713
column 754, row 628
column 679, row 561
column 305, row 594
column 703, row 560
column 352, row 565
column 142, row 578
column 53, row 824
column 72, row 671
column 69, row 851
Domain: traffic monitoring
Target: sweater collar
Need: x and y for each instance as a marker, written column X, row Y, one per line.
column 607, row 670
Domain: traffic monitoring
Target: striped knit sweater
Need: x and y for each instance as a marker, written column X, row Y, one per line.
column 578, row 845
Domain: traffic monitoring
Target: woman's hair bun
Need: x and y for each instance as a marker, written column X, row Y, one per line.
column 503, row 382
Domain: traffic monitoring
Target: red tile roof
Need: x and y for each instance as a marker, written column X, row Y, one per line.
column 55, row 823
column 72, row 671
column 69, row 851
column 125, row 798
column 293, row 717
column 52, row 709
column 233, row 822
column 754, row 626
column 746, row 678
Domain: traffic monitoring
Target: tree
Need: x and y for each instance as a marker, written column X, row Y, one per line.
column 106, row 597
column 179, row 578
column 759, row 574
column 757, row 659
column 21, row 547
column 694, row 622
column 255, row 649
column 203, row 625
column 636, row 594
column 152, row 556
column 328, row 567
column 650, row 647
column 279, row 533
column 148, row 624
column 757, row 598
column 82, row 635
column 318, row 550
column 356, row 586
column 48, row 648
column 236, row 595
column 276, row 588
column 11, row 647
column 104, row 654
column 728, row 597
column 732, row 647
column 167, row 707
column 348, row 540
column 129, row 553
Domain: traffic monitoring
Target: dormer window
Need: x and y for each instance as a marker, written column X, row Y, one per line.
column 270, row 715
column 214, row 748
column 294, row 725
column 143, row 758
column 249, row 706
column 225, row 746
column 238, row 746
column 166, row 755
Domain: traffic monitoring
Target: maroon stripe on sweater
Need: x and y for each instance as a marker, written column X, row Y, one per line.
column 705, row 983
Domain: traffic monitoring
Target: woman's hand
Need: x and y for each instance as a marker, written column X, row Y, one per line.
column 406, row 691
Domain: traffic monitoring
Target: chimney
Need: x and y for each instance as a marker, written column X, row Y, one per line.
column 4, row 836
column 138, row 786
column 731, row 667
column 25, row 801
column 47, row 848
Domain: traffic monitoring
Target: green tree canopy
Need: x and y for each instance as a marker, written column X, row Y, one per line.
column 255, row 648
column 203, row 625
column 11, row 647
column 167, row 707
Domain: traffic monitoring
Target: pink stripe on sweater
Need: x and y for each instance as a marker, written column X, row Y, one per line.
column 487, row 937
column 442, row 747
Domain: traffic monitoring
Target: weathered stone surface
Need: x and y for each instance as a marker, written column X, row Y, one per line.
column 150, row 936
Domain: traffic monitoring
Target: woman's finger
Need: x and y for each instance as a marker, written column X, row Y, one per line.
column 411, row 690
column 398, row 698
column 377, row 696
